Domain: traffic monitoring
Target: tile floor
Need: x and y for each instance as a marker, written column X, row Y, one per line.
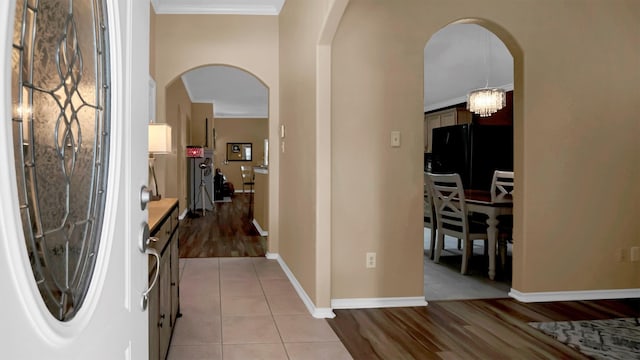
column 443, row 281
column 246, row 308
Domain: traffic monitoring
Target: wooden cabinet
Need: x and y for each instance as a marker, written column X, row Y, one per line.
column 452, row 116
column 164, row 298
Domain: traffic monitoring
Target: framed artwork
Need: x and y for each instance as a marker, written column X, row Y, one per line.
column 239, row 151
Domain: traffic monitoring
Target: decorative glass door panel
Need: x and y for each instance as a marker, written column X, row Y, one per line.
column 60, row 98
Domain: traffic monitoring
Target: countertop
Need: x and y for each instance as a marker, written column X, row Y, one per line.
column 261, row 170
column 158, row 210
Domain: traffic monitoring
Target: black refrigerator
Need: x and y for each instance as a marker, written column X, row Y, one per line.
column 473, row 151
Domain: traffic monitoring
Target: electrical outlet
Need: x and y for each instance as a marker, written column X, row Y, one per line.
column 371, row 260
column 635, row 253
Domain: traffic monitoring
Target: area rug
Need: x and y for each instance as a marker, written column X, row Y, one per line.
column 599, row 339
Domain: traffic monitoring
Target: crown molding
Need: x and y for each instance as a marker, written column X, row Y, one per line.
column 216, row 8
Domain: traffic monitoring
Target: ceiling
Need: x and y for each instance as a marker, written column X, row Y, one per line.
column 233, row 92
column 458, row 58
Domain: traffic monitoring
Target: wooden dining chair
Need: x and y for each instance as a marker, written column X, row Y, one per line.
column 429, row 214
column 502, row 186
column 452, row 217
column 502, row 192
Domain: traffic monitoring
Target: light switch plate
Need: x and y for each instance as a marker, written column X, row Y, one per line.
column 395, row 138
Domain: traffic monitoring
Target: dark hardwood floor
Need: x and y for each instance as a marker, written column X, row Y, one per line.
column 468, row 329
column 226, row 231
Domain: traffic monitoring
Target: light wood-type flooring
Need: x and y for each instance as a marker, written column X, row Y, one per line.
column 468, row 329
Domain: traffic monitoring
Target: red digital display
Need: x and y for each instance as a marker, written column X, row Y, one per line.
column 195, row 151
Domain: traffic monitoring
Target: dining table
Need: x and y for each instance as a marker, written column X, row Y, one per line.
column 480, row 201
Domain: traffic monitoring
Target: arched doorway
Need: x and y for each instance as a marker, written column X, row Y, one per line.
column 459, row 58
column 213, row 106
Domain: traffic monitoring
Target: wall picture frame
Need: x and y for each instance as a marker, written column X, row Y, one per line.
column 239, row 151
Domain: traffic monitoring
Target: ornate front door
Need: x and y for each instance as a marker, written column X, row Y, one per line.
column 73, row 156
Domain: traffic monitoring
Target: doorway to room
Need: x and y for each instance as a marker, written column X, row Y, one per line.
column 229, row 116
column 459, row 58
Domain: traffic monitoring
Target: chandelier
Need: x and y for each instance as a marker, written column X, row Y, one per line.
column 486, row 101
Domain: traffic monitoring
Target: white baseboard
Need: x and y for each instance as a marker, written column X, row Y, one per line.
column 318, row 313
column 246, row 191
column 184, row 214
column 259, row 228
column 368, row 303
column 547, row 296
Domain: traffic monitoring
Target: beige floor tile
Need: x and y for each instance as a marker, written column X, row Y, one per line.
column 243, row 308
column 195, row 352
column 264, row 262
column 195, row 290
column 249, row 330
column 202, row 306
column 271, row 272
column 240, row 273
column 200, row 280
column 194, row 329
column 236, row 263
column 317, row 351
column 304, row 328
column 245, row 305
column 241, row 287
column 254, row 352
column 278, row 287
column 202, row 265
column 286, row 305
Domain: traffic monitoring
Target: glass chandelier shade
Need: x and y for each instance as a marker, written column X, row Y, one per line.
column 486, row 101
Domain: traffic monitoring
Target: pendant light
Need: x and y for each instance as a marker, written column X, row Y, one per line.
column 486, row 101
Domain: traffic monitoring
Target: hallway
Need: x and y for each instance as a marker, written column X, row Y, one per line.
column 246, row 308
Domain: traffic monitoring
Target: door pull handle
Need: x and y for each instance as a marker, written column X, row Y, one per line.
column 145, row 294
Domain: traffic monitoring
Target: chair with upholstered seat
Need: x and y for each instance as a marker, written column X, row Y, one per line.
column 452, row 217
column 429, row 214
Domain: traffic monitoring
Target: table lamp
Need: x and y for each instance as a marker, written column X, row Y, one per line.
column 159, row 143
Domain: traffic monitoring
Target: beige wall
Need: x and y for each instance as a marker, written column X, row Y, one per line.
column 201, row 112
column 178, row 116
column 185, row 42
column 577, row 154
column 300, row 26
column 239, row 130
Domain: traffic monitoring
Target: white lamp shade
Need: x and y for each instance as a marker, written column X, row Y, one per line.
column 159, row 138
